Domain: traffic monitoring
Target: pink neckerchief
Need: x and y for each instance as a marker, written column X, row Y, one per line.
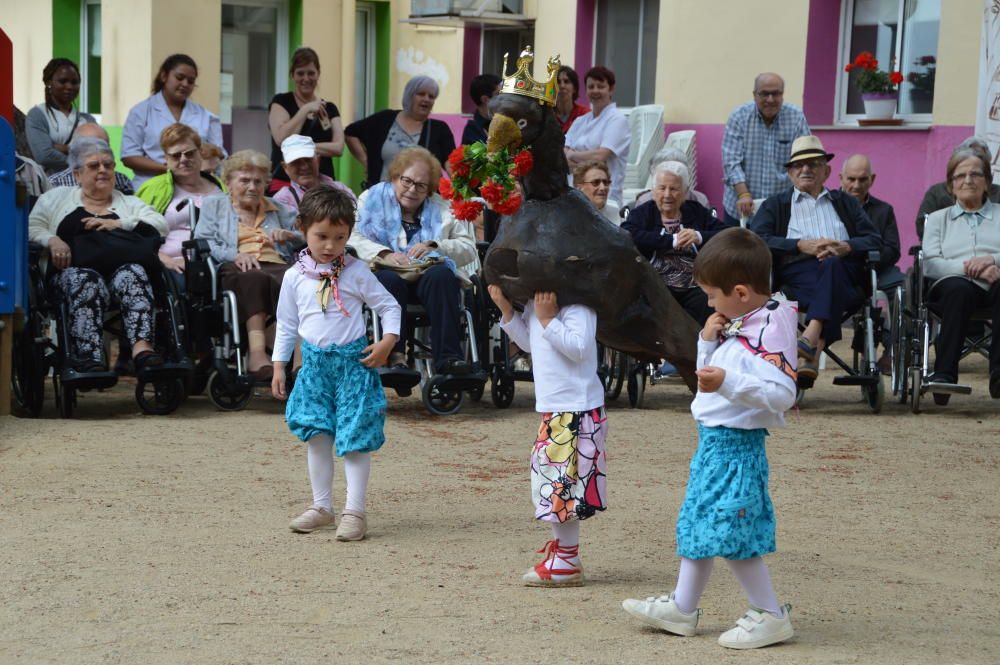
column 328, row 276
column 767, row 332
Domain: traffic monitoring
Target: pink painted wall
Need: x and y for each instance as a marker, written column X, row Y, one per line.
column 584, row 44
column 906, row 163
column 470, row 66
column 822, row 47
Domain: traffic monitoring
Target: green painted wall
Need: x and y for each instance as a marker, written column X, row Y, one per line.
column 294, row 32
column 66, row 29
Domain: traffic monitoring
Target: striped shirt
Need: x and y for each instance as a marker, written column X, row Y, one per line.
column 815, row 218
column 755, row 154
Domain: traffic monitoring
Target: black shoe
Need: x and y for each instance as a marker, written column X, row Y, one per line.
column 941, row 399
column 455, row 367
column 88, row 366
column 995, row 385
column 124, row 367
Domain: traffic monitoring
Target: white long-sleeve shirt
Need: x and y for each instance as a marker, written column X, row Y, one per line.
column 300, row 315
column 563, row 357
column 759, row 385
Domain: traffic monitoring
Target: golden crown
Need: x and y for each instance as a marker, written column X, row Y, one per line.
column 521, row 82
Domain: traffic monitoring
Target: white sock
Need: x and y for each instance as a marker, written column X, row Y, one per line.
column 692, row 578
column 756, row 582
column 320, row 461
column 568, row 555
column 357, row 467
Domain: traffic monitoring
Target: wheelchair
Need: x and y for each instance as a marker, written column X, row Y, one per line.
column 442, row 394
column 38, row 352
column 867, row 324
column 914, row 334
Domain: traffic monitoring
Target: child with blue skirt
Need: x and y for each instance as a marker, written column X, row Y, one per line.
column 337, row 403
column 746, row 381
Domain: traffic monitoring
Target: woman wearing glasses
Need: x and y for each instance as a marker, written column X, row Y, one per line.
column 169, row 103
column 594, row 180
column 404, row 221
column 962, row 255
column 183, row 180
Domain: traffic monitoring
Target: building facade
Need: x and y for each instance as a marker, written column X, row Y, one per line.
column 696, row 59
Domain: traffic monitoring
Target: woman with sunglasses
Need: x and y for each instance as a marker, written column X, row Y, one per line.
column 594, row 180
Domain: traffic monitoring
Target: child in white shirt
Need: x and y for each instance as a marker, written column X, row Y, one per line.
column 337, row 395
column 567, row 459
column 746, row 381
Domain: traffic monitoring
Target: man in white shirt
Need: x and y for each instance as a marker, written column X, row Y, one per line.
column 603, row 134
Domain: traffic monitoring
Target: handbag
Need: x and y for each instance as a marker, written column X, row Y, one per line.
column 107, row 251
column 411, row 272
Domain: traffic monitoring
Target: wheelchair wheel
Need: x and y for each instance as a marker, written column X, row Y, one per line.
column 65, row 396
column 915, row 382
column 501, row 388
column 899, row 349
column 158, row 398
column 227, row 398
column 476, row 394
column 441, row 402
column 615, row 378
column 874, row 395
column 29, row 369
column 636, row 385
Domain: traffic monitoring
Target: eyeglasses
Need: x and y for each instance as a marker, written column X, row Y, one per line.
column 770, row 94
column 94, row 167
column 597, row 182
column 813, row 164
column 182, row 154
column 409, row 183
column 971, row 175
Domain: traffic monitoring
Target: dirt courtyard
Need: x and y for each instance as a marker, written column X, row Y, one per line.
column 138, row 539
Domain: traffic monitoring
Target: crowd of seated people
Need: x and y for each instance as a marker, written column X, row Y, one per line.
column 774, row 170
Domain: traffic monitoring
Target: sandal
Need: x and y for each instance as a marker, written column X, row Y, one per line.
column 543, row 575
column 145, row 361
column 806, row 350
column 262, row 374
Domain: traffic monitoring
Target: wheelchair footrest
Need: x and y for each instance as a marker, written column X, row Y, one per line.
column 856, row 380
column 472, row 381
column 167, row 371
column 949, row 388
column 88, row 380
column 397, row 378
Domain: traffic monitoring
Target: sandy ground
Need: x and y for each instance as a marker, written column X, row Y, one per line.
column 132, row 539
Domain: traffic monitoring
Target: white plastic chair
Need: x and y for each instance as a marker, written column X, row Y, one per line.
column 646, row 126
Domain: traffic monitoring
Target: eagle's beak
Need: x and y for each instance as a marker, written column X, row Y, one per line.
column 504, row 133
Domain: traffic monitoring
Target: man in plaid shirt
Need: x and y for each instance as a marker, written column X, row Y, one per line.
column 756, row 144
column 65, row 178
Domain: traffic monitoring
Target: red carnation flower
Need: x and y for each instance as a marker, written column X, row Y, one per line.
column 461, row 170
column 510, row 206
column 444, row 187
column 492, row 192
column 524, row 161
column 896, row 78
column 457, row 156
column 466, row 210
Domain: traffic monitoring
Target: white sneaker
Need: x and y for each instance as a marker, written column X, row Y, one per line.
column 758, row 628
column 662, row 612
column 314, row 519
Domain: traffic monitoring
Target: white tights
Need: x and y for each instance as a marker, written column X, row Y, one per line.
column 357, row 467
column 752, row 575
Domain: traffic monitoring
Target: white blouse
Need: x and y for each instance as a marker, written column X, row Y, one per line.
column 299, row 313
column 563, row 357
column 609, row 130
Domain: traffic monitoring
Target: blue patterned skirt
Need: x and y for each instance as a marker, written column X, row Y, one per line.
column 727, row 511
column 335, row 394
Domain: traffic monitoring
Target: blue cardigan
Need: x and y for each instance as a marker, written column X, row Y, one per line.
column 648, row 234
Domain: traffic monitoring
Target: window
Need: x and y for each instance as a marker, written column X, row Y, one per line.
column 254, row 55
column 903, row 36
column 364, row 59
column 626, row 44
column 90, row 60
column 496, row 42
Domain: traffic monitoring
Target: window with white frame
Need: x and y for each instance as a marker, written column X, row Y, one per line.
column 625, row 43
column 903, row 36
column 90, row 58
column 254, row 49
column 364, row 60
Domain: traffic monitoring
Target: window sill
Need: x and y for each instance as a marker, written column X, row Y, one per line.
column 851, row 127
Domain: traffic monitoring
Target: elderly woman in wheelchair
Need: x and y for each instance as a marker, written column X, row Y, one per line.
column 420, row 253
column 95, row 261
column 961, row 257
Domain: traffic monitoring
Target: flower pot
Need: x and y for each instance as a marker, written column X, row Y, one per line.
column 879, row 105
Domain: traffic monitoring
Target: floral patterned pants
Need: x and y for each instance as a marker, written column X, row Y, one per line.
column 88, row 296
column 568, row 470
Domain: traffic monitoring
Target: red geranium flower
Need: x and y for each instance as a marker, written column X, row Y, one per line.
column 461, row 170
column 492, row 192
column 457, row 156
column 896, row 78
column 466, row 210
column 523, row 163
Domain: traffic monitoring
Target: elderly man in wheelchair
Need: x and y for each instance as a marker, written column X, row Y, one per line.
column 821, row 240
column 958, row 280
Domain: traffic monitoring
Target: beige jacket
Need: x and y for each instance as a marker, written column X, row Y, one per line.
column 54, row 205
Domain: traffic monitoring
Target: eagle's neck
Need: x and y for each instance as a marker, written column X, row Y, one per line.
column 548, row 178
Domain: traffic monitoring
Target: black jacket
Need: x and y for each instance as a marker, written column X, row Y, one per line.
column 648, row 234
column 436, row 136
column 771, row 224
